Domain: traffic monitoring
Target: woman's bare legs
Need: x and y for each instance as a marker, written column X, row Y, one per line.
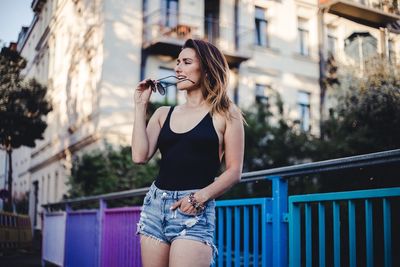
column 185, row 252
column 154, row 253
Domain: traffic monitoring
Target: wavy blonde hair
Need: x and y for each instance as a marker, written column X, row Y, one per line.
column 214, row 75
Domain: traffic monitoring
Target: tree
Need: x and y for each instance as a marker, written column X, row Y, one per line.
column 272, row 140
column 23, row 106
column 109, row 170
column 366, row 117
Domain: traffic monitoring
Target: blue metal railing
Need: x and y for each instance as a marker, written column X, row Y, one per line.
column 239, row 224
column 301, row 206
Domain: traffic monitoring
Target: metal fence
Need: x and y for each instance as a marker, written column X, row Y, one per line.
column 249, row 232
column 363, row 209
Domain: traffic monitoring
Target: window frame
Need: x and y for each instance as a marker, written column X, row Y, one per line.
column 304, row 108
column 261, row 33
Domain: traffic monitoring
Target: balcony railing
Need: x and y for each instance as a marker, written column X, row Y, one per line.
column 373, row 13
column 270, row 231
column 165, row 32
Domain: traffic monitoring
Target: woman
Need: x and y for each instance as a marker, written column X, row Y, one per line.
column 178, row 216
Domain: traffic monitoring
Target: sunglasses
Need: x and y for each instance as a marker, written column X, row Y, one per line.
column 161, row 86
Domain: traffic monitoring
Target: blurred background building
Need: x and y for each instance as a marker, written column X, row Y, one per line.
column 92, row 53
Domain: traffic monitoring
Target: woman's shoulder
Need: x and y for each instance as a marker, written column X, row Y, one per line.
column 234, row 114
column 234, row 111
column 161, row 113
column 163, row 109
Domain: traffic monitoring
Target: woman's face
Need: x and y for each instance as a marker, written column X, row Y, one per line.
column 188, row 67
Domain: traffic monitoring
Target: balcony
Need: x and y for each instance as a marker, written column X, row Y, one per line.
column 164, row 34
column 373, row 13
column 37, row 5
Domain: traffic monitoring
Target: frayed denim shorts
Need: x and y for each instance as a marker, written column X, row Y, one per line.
column 165, row 225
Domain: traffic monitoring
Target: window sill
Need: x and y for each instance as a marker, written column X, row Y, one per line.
column 267, row 49
column 308, row 58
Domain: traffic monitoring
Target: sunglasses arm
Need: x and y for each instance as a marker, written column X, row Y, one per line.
column 171, row 76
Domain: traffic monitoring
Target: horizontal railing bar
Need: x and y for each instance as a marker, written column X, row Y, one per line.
column 240, row 202
column 326, row 165
column 348, row 195
column 75, row 212
column 284, row 172
column 110, row 196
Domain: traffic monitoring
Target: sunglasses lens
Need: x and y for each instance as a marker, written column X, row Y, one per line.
column 161, row 89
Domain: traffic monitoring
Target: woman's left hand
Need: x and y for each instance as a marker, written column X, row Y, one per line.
column 184, row 205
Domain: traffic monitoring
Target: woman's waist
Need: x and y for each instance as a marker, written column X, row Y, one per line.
column 188, row 183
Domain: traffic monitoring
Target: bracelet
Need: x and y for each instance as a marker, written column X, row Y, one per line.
column 192, row 200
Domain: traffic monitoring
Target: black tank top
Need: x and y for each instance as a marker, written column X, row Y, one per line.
column 189, row 160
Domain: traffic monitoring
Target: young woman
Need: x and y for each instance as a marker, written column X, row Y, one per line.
column 177, row 222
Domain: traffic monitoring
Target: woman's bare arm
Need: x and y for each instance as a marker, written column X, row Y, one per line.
column 144, row 138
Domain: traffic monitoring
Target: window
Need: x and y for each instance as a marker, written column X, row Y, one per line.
column 261, row 93
column 303, row 37
column 304, row 110
column 169, row 13
column 332, row 40
column 261, row 27
column 360, row 46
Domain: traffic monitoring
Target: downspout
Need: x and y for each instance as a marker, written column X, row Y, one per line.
column 322, row 66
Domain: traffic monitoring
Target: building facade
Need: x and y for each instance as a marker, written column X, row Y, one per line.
column 91, row 53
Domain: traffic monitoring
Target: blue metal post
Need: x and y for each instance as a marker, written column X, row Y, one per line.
column 294, row 235
column 279, row 226
column 387, row 229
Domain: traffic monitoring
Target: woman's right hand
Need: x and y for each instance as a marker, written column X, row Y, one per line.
column 143, row 92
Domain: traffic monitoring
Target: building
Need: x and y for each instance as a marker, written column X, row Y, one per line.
column 92, row 53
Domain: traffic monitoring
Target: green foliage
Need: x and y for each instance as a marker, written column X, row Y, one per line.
column 272, row 141
column 367, row 117
column 23, row 107
column 110, row 170
column 107, row 171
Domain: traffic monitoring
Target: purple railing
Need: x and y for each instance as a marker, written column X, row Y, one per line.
column 120, row 245
column 104, row 237
column 81, row 244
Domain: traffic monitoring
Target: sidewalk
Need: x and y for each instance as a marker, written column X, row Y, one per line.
column 21, row 258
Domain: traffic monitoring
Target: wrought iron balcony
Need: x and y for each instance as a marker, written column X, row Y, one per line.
column 164, row 33
column 373, row 13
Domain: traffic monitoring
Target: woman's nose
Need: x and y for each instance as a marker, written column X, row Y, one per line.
column 177, row 69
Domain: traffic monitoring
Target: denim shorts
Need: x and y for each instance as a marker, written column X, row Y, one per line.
column 165, row 225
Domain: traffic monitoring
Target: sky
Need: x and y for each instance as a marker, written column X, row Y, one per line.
column 13, row 15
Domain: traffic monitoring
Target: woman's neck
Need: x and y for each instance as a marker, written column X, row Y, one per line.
column 195, row 99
